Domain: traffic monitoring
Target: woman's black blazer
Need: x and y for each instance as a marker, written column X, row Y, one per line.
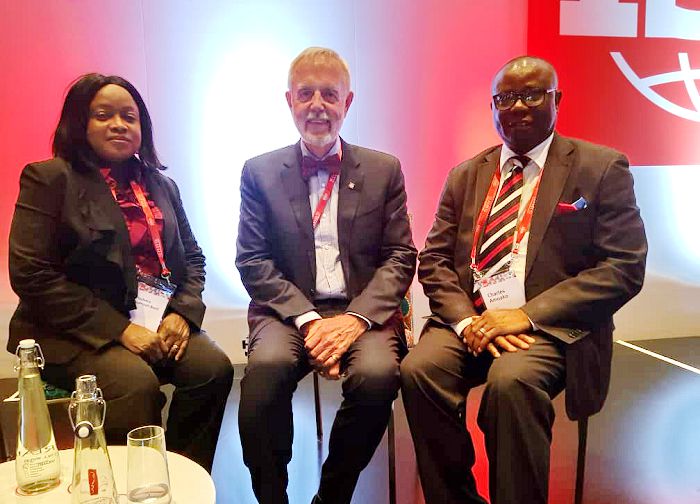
column 71, row 264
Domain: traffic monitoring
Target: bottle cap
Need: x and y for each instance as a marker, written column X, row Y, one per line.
column 86, row 384
column 83, row 430
column 27, row 344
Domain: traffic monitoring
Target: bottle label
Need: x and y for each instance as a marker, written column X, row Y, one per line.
column 93, row 482
column 37, row 463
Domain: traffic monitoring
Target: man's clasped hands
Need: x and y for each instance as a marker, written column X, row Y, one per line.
column 327, row 339
column 498, row 330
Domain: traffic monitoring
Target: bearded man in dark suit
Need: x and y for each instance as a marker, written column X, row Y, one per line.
column 536, row 243
column 325, row 252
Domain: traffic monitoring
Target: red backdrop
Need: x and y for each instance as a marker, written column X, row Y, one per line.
column 600, row 104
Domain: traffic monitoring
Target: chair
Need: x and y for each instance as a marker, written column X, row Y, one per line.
column 581, row 459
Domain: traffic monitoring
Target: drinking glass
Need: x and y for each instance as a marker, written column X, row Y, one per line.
column 147, row 480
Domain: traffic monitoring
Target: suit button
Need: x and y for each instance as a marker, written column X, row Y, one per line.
column 312, row 292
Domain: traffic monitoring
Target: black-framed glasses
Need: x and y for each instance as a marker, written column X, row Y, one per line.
column 530, row 97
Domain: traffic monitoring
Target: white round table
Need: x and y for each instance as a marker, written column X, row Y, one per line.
column 189, row 482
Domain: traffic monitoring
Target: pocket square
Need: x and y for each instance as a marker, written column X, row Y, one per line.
column 565, row 208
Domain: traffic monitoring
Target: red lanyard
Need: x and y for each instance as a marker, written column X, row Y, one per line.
column 523, row 226
column 152, row 228
column 321, row 205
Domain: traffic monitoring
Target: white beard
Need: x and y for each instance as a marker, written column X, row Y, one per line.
column 318, row 141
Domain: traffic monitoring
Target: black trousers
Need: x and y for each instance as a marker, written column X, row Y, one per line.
column 202, row 379
column 516, row 416
column 277, row 360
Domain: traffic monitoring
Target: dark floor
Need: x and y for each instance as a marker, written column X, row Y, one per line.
column 643, row 448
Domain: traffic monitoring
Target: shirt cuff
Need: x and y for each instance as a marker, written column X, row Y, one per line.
column 367, row 321
column 534, row 326
column 459, row 326
column 306, row 317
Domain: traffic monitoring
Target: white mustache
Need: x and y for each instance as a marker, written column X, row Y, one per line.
column 323, row 116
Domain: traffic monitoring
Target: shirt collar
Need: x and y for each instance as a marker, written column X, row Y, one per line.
column 336, row 149
column 538, row 153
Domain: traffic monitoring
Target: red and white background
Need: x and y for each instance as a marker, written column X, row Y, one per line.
column 213, row 74
column 630, row 74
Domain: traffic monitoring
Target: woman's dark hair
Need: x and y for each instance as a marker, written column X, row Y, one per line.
column 70, row 138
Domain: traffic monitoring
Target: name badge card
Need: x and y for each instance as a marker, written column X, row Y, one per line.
column 153, row 297
column 504, row 290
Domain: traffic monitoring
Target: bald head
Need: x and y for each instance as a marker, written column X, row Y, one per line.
column 526, row 64
column 525, row 90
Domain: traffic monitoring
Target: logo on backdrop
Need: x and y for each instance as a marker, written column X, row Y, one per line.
column 654, row 19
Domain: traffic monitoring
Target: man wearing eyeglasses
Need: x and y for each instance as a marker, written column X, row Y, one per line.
column 536, row 243
column 325, row 252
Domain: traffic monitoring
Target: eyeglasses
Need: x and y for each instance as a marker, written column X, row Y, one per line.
column 530, row 97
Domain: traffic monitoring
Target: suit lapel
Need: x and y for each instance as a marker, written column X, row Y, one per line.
column 351, row 180
column 554, row 175
column 297, row 191
column 102, row 213
column 349, row 193
column 159, row 195
column 484, row 173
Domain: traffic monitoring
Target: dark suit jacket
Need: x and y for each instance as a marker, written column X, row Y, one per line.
column 580, row 268
column 276, row 256
column 71, row 263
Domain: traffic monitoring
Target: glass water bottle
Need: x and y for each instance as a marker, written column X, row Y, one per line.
column 37, row 464
column 93, row 480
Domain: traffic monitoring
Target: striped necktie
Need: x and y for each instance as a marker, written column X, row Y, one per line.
column 500, row 228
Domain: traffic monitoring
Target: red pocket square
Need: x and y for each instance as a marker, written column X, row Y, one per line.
column 565, row 208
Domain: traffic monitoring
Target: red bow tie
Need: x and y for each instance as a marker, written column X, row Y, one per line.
column 310, row 165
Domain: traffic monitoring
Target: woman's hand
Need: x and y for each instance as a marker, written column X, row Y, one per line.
column 144, row 343
column 174, row 331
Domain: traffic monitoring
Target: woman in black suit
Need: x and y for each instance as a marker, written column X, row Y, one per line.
column 92, row 228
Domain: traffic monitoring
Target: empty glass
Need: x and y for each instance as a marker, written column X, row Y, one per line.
column 147, row 480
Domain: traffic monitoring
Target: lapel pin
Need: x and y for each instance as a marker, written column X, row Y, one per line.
column 351, row 185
